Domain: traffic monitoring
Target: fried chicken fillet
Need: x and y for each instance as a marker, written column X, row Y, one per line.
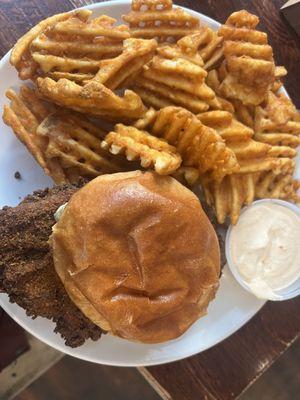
column 27, row 272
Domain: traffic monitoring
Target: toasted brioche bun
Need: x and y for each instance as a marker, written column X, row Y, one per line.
column 137, row 255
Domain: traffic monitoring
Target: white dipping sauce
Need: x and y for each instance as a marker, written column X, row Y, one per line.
column 265, row 248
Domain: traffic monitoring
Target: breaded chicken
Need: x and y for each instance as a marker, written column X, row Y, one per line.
column 27, row 272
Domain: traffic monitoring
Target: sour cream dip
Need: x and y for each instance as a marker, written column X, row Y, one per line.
column 264, row 248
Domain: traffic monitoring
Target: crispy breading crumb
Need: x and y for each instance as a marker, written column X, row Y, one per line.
column 27, row 273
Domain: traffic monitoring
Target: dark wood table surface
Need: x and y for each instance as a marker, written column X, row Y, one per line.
column 227, row 369
column 13, row 340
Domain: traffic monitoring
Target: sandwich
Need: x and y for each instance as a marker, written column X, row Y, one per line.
column 132, row 254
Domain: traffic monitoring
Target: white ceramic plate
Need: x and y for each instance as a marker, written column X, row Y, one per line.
column 231, row 309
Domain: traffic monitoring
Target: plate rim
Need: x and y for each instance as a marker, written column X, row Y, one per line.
column 68, row 350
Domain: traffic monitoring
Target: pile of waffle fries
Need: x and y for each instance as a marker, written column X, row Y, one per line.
column 161, row 91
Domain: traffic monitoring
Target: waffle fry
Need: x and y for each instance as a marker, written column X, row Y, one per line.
column 280, row 72
column 76, row 143
column 120, row 71
column 244, row 114
column 226, row 125
column 200, row 147
column 23, row 115
column 236, row 190
column 93, row 98
column 206, row 43
column 157, row 19
column 228, row 196
column 179, row 81
column 280, row 138
column 173, row 52
column 249, row 59
column 137, row 144
column 279, row 109
column 213, row 81
column 147, row 120
column 21, row 57
column 277, row 165
column 282, row 151
column 66, row 146
column 273, row 186
column 68, row 46
column 250, row 149
column 215, row 115
column 187, row 175
column 277, row 122
column 252, row 155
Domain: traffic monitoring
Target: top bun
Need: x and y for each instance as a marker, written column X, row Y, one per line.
column 137, row 255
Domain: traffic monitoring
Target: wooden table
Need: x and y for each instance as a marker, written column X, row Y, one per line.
column 13, row 340
column 226, row 370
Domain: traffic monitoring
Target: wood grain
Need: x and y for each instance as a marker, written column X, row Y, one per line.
column 13, row 340
column 72, row 379
column 226, row 370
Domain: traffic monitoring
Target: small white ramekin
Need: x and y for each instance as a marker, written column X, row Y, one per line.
column 284, row 294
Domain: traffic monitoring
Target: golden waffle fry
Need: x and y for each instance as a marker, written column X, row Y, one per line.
column 281, row 186
column 213, row 81
column 277, row 122
column 276, row 86
column 66, row 146
column 200, row 146
column 226, row 125
column 277, row 165
column 177, row 81
column 278, row 138
column 282, row 151
column 252, row 155
column 23, row 115
column 119, row 71
column 153, row 96
column 244, row 114
column 68, row 46
column 230, row 195
column 205, row 43
column 187, row 175
column 137, row 144
column 93, row 98
column 21, row 57
column 173, row 51
column 236, row 190
column 250, row 149
column 279, row 110
column 280, row 72
column 157, row 19
column 216, row 119
column 147, row 120
column 249, row 59
column 76, row 143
